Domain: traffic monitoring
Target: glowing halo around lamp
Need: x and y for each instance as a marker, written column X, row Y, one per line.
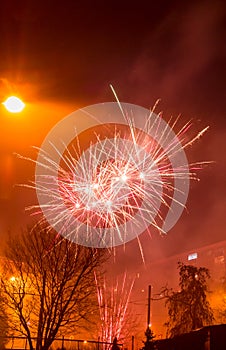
column 13, row 104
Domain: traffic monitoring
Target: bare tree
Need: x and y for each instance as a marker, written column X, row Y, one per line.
column 48, row 285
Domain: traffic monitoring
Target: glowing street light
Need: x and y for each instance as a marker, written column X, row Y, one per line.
column 13, row 104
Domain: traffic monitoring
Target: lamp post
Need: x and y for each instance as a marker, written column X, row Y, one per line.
column 14, row 104
column 149, row 344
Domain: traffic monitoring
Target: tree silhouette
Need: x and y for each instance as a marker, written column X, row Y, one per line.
column 188, row 308
column 48, row 285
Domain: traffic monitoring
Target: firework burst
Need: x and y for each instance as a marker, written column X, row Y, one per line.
column 108, row 172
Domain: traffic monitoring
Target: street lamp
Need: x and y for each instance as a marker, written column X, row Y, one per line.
column 14, row 104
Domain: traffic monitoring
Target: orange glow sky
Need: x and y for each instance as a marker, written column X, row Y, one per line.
column 59, row 57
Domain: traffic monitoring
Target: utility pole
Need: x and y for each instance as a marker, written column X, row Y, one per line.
column 132, row 342
column 149, row 306
column 149, row 344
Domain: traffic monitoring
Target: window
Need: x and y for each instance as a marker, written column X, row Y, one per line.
column 219, row 259
column 192, row 256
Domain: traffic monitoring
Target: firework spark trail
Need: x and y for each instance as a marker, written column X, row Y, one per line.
column 112, row 190
column 113, row 299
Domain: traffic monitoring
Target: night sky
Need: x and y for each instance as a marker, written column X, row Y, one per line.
column 59, row 56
